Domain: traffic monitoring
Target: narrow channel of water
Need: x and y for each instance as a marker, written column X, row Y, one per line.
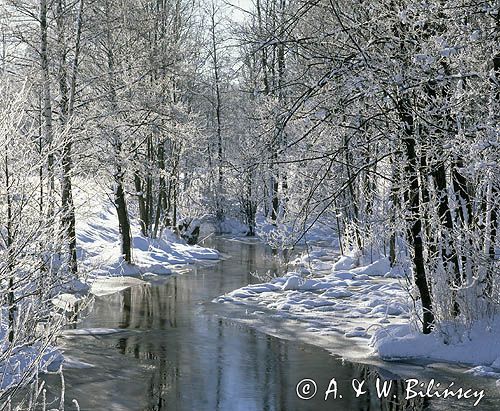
column 171, row 353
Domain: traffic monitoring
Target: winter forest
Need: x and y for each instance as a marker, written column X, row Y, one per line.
column 354, row 144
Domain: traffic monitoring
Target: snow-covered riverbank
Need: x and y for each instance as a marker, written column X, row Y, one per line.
column 101, row 271
column 332, row 300
column 342, row 299
column 98, row 242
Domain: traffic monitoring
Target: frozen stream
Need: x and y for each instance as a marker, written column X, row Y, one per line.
column 173, row 349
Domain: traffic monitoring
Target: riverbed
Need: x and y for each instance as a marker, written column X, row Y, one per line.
column 164, row 345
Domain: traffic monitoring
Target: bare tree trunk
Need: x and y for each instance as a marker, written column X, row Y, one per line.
column 149, row 187
column 489, row 229
column 274, row 186
column 414, row 219
column 161, row 188
column 395, row 206
column 354, row 200
column 47, row 103
column 142, row 203
column 218, row 119
column 119, row 192
column 66, row 112
column 282, row 137
column 123, row 219
column 249, row 205
column 265, row 79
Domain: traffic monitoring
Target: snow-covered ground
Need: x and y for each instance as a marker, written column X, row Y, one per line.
column 98, row 243
column 478, row 346
column 291, row 233
column 283, row 235
column 331, row 296
column 340, row 299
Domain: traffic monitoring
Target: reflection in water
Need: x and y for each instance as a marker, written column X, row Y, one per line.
column 174, row 354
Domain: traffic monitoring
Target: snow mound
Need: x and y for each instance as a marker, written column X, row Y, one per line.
column 477, row 346
column 344, row 263
column 377, row 268
column 292, row 283
column 357, row 332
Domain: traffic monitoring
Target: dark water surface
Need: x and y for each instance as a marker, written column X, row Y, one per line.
column 175, row 352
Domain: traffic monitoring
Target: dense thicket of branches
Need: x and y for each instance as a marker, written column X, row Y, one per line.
column 387, row 114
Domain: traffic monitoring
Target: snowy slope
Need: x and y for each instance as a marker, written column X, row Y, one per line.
column 98, row 243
